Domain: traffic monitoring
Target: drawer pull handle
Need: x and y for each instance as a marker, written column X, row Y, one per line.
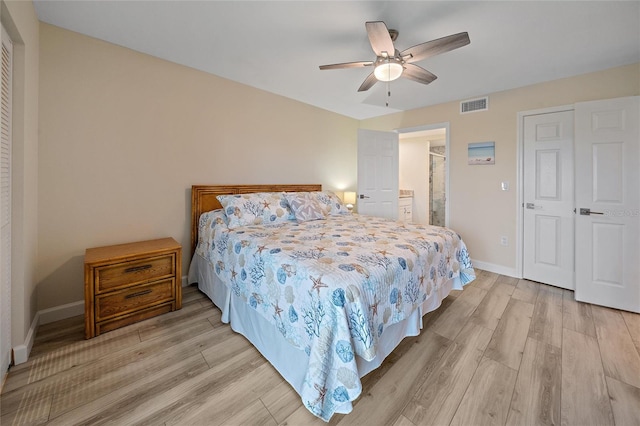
column 139, row 293
column 137, row 268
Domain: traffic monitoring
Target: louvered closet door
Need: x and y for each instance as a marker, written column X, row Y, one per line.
column 5, row 204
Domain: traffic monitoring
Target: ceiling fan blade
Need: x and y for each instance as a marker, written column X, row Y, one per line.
column 380, row 39
column 416, row 73
column 368, row 83
column 435, row 47
column 346, row 65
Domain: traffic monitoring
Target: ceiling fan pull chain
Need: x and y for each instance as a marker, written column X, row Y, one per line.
column 388, row 92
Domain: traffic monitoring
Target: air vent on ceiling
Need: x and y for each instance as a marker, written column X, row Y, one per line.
column 474, row 105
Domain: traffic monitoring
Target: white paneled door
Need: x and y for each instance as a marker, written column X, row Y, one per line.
column 548, row 253
column 607, row 153
column 378, row 157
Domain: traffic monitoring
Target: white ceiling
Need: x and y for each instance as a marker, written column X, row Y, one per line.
column 277, row 46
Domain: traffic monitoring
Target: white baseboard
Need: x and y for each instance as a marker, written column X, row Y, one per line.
column 61, row 312
column 496, row 269
column 21, row 352
column 45, row 316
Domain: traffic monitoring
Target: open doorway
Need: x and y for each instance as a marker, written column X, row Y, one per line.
column 423, row 155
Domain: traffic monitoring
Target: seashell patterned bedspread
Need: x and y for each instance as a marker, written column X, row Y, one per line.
column 333, row 286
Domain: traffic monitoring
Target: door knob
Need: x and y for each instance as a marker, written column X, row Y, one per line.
column 587, row 212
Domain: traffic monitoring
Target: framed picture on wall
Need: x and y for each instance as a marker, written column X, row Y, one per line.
column 482, row 153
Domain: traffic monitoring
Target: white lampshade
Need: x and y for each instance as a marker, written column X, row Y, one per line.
column 388, row 70
column 349, row 199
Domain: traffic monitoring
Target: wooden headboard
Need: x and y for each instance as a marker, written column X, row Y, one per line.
column 203, row 199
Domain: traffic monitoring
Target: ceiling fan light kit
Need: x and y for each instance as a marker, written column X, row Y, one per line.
column 388, row 68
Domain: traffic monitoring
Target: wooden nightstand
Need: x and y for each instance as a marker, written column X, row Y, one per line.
column 131, row 282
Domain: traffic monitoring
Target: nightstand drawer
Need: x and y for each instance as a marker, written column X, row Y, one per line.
column 122, row 320
column 125, row 274
column 134, row 298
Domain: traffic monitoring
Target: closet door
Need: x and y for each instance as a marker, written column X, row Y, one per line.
column 5, row 203
column 607, row 152
column 548, row 199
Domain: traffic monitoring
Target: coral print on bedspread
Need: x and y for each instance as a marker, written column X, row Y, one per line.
column 331, row 287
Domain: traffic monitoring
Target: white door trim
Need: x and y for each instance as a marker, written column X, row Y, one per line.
column 520, row 179
column 446, row 125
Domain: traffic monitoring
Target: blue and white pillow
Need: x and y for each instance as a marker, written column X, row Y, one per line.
column 331, row 203
column 255, row 209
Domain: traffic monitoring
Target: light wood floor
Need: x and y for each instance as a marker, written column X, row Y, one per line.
column 503, row 352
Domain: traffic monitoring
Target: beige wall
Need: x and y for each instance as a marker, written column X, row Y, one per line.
column 480, row 211
column 124, row 135
column 21, row 23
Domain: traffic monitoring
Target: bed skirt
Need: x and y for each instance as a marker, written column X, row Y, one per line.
column 285, row 357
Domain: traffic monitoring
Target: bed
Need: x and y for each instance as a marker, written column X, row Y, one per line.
column 323, row 294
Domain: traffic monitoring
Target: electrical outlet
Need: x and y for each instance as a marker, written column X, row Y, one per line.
column 504, row 241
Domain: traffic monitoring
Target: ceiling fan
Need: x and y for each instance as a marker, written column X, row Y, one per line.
column 391, row 64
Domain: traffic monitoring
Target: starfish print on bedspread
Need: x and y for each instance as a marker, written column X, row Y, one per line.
column 278, row 309
column 322, row 392
column 317, row 283
column 374, row 307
